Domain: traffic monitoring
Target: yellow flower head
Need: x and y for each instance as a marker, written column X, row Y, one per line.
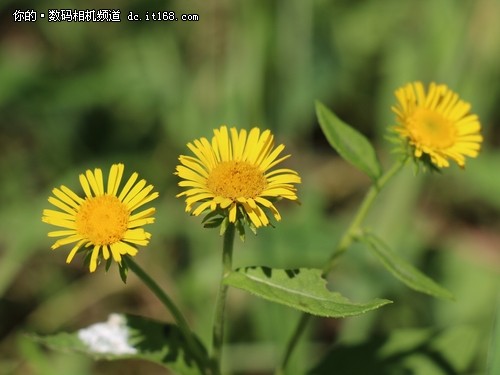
column 232, row 175
column 102, row 220
column 437, row 123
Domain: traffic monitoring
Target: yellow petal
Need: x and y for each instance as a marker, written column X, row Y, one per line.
column 93, row 258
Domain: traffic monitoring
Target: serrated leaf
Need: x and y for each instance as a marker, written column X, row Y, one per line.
column 353, row 146
column 126, row 336
column 403, row 270
column 303, row 289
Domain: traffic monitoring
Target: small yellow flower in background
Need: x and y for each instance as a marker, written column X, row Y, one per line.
column 234, row 175
column 102, row 220
column 437, row 123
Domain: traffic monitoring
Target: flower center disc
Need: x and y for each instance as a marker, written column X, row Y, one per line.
column 103, row 219
column 236, row 179
column 431, row 129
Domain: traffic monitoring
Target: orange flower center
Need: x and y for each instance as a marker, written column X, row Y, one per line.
column 431, row 129
column 236, row 179
column 103, row 220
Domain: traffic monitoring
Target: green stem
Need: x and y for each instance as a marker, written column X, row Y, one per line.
column 170, row 305
column 218, row 325
column 342, row 246
column 301, row 325
column 354, row 227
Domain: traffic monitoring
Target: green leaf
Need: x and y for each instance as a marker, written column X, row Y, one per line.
column 303, row 289
column 403, row 270
column 126, row 336
column 348, row 142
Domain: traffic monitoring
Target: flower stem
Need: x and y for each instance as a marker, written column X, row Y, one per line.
column 299, row 329
column 342, row 246
column 218, row 325
column 181, row 322
column 354, row 227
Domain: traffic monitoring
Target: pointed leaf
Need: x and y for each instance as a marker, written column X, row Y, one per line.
column 126, row 336
column 403, row 270
column 353, row 146
column 303, row 289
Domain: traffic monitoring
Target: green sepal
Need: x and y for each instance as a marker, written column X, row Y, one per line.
column 405, row 149
column 223, row 225
column 108, row 263
column 220, row 218
column 246, row 220
column 214, row 223
column 211, row 215
column 240, row 228
column 424, row 164
column 213, row 219
column 123, row 270
column 302, row 289
column 252, row 227
column 86, row 259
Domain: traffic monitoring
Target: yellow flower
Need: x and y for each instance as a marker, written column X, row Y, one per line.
column 102, row 219
column 233, row 174
column 437, row 123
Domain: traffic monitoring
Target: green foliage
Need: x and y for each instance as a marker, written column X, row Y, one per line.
column 410, row 351
column 403, row 270
column 158, row 342
column 348, row 142
column 494, row 349
column 77, row 95
column 219, row 218
column 303, row 289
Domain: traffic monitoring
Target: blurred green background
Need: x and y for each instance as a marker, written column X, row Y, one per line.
column 83, row 95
